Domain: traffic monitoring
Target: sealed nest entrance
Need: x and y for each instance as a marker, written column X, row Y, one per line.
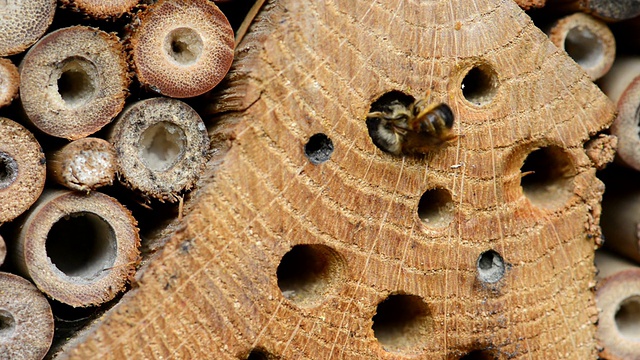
column 402, row 323
column 162, row 145
column 184, row 46
column 547, row 177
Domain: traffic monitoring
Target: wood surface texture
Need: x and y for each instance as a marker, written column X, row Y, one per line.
column 315, row 67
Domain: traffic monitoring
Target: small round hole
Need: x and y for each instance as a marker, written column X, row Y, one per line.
column 308, row 273
column 7, row 324
column 259, row 354
column 161, row 145
column 479, row 355
column 402, row 323
column 435, row 207
column 547, row 177
column 584, row 46
column 319, row 148
column 184, row 46
column 75, row 84
column 628, row 318
column 8, row 170
column 480, row 85
column 81, row 245
column 490, row 267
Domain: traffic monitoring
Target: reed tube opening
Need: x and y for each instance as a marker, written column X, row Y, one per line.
column 8, row 170
column 183, row 45
column 161, row 145
column 584, row 46
column 627, row 318
column 76, row 82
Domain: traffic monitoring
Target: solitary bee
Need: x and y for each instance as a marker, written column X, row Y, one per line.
column 410, row 127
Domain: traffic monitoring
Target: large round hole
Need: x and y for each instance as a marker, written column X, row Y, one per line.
column 480, row 85
column 402, row 323
column 319, row 148
column 259, row 354
column 75, row 84
column 490, row 267
column 547, row 177
column 7, row 324
column 435, row 207
column 479, row 355
column 8, row 170
column 628, row 318
column 161, row 145
column 81, row 245
column 308, row 273
column 183, row 45
column 584, row 46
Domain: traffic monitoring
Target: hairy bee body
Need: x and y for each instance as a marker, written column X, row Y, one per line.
column 414, row 128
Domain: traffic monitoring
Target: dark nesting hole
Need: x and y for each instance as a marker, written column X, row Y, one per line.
column 490, row 267
column 479, row 355
column 584, row 46
column 319, row 148
column 81, row 245
column 8, row 170
column 627, row 318
column 402, row 323
column 480, row 85
column 382, row 133
column 184, row 45
column 75, row 84
column 547, row 177
column 435, row 207
column 259, row 354
column 7, row 324
column 307, row 273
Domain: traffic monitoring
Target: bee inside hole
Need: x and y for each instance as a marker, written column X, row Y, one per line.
column 401, row 125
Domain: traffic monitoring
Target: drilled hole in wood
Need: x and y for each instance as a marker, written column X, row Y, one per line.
column 75, row 84
column 259, row 354
column 319, row 148
column 183, row 45
column 480, row 85
column 490, row 267
column 479, row 355
column 393, row 104
column 7, row 324
column 8, row 170
column 402, row 323
column 585, row 47
column 628, row 318
column 308, row 273
column 81, row 245
column 547, row 177
column 161, row 145
column 436, row 207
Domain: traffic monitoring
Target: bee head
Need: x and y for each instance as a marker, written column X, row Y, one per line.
column 383, row 135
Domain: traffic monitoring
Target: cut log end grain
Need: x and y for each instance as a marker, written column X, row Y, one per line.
column 26, row 321
column 9, row 82
column 182, row 48
column 101, row 9
column 162, row 146
column 23, row 23
column 74, row 81
column 78, row 249
column 22, row 169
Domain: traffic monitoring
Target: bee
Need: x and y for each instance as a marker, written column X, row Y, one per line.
column 411, row 127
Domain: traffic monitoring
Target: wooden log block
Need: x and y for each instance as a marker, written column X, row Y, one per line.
column 370, row 255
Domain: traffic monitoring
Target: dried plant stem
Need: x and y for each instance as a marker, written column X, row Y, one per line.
column 9, row 82
column 23, row 23
column 101, row 9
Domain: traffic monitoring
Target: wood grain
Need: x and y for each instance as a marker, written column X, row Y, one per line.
column 316, row 67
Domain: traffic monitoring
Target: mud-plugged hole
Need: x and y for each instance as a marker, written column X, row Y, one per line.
column 82, row 245
column 162, row 145
column 7, row 324
column 319, row 148
column 480, row 85
column 490, row 267
column 627, row 318
column 76, row 82
column 308, row 273
column 435, row 207
column 8, row 170
column 547, row 177
column 183, row 45
column 584, row 47
column 402, row 323
column 480, row 355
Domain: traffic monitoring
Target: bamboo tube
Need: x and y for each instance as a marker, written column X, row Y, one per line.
column 101, row 9
column 22, row 169
column 618, row 302
column 83, row 165
column 607, row 10
column 182, row 48
column 78, row 249
column 74, row 81
column 162, row 147
column 9, row 82
column 620, row 221
column 23, row 23
column 26, row 321
column 587, row 40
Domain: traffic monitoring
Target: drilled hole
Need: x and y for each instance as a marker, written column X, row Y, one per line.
column 480, row 85
column 394, row 104
column 436, row 207
column 490, row 267
column 584, row 46
column 81, row 245
column 319, row 148
column 161, row 145
column 402, row 323
column 75, row 84
column 259, row 354
column 308, row 273
column 7, row 324
column 8, row 170
column 547, row 177
column 628, row 318
column 183, row 45
column 479, row 355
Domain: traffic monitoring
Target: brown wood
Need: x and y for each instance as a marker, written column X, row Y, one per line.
column 23, row 23
column 9, row 82
column 368, row 255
